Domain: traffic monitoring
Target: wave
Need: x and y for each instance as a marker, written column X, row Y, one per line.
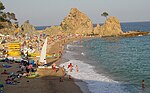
column 72, row 46
column 96, row 83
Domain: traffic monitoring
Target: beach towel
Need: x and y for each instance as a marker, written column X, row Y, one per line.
column 11, row 83
column 33, row 75
column 1, row 85
column 31, row 62
column 5, row 73
column 6, row 66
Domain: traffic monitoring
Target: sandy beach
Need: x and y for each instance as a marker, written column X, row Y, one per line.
column 48, row 81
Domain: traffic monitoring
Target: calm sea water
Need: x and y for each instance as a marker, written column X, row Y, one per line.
column 112, row 65
column 41, row 27
column 139, row 26
column 122, row 59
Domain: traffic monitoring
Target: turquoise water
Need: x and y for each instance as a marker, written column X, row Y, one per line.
column 123, row 59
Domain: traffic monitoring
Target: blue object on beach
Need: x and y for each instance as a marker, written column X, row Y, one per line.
column 10, row 83
column 31, row 62
column 1, row 85
column 1, row 88
column 6, row 66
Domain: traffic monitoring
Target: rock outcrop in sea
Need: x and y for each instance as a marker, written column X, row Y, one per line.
column 77, row 23
column 111, row 27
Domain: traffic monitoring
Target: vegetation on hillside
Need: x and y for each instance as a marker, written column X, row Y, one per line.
column 5, row 16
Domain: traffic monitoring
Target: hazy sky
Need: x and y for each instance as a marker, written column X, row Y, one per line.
column 52, row 12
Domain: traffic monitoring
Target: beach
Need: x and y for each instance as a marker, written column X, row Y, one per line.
column 95, row 75
column 74, row 46
column 48, row 81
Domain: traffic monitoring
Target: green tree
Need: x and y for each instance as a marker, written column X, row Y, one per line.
column 6, row 16
column 11, row 16
column 2, row 7
column 105, row 14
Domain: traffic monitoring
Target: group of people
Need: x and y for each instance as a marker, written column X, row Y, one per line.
column 70, row 67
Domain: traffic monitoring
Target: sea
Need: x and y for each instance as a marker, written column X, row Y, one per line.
column 111, row 65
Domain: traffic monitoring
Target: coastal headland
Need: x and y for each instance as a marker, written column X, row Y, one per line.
column 75, row 26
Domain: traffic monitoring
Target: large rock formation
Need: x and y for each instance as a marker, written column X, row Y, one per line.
column 77, row 23
column 111, row 27
column 26, row 27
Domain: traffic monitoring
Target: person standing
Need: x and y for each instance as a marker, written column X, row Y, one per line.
column 143, row 84
column 70, row 66
column 77, row 70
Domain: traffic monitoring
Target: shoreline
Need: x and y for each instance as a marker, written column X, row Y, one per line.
column 82, row 86
column 55, row 47
column 61, row 60
column 80, row 83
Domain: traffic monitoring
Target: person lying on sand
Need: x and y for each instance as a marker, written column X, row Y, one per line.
column 11, row 80
column 5, row 72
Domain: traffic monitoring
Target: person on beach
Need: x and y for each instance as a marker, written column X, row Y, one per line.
column 26, row 55
column 60, row 54
column 143, row 84
column 77, row 70
column 63, row 71
column 54, row 67
column 5, row 72
column 61, row 79
column 30, row 67
column 70, row 66
column 69, row 77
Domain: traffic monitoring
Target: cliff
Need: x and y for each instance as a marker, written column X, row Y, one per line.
column 111, row 27
column 77, row 23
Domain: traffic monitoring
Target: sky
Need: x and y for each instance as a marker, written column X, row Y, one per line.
column 52, row 12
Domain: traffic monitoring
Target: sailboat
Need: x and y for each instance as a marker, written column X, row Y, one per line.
column 43, row 56
column 43, row 53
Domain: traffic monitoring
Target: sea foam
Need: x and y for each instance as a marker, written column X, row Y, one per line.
column 96, row 83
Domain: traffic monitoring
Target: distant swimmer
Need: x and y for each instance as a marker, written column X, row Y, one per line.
column 143, row 85
column 77, row 70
